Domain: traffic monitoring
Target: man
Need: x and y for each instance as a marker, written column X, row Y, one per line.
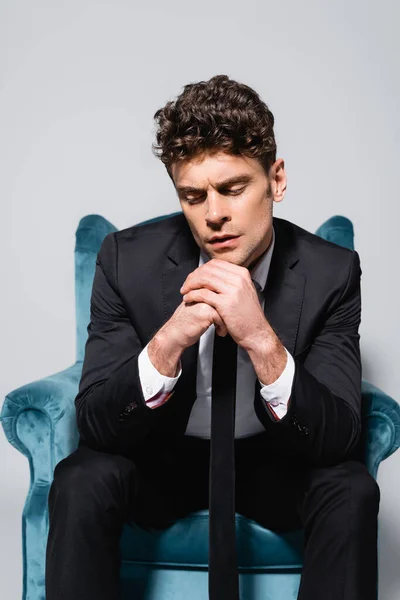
column 161, row 293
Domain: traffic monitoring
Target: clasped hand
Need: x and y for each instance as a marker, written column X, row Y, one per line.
column 228, row 289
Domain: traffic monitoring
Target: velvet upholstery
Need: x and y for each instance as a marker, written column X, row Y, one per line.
column 39, row 420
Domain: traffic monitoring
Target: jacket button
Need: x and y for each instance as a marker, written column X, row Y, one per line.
column 132, row 406
column 295, row 421
column 302, row 429
column 126, row 412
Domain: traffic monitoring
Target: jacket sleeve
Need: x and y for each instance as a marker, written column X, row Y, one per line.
column 323, row 422
column 111, row 411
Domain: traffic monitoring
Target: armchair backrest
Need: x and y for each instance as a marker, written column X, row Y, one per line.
column 90, row 233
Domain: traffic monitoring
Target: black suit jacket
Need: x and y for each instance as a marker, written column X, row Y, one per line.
column 312, row 301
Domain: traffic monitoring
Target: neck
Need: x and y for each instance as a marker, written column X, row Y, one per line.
column 256, row 260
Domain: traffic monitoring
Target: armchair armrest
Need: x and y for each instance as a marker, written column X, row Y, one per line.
column 381, row 426
column 39, row 420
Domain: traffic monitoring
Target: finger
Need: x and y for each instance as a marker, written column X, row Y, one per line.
column 214, row 274
column 206, row 279
column 203, row 295
column 237, row 279
column 220, row 327
column 216, row 269
column 221, row 331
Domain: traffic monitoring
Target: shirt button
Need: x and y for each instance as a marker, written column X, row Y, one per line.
column 149, row 390
column 275, row 403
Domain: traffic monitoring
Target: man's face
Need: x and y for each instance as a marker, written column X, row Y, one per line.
column 230, row 198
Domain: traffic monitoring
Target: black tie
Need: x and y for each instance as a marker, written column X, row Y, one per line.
column 223, row 580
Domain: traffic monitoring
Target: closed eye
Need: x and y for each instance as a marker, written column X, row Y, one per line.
column 226, row 192
column 233, row 192
column 194, row 199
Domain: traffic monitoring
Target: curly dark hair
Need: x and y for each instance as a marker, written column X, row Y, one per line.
column 212, row 116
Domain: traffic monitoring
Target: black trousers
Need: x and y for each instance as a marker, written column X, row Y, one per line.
column 94, row 493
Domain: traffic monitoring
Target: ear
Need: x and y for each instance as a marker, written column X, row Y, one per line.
column 278, row 180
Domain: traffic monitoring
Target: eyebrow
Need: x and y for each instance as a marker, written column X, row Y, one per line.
column 243, row 178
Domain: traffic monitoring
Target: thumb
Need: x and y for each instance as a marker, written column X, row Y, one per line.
column 220, row 327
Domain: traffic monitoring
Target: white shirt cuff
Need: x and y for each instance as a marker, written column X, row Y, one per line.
column 277, row 394
column 154, row 385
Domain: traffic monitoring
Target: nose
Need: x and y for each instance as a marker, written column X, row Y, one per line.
column 217, row 209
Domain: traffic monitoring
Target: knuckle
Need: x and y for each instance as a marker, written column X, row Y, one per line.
column 203, row 308
column 244, row 274
column 243, row 283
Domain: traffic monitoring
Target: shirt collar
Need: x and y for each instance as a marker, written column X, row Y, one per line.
column 259, row 273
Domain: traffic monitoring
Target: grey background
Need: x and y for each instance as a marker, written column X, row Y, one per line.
column 79, row 84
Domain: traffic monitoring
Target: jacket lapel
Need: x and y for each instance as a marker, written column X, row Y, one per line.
column 284, row 294
column 284, row 291
column 182, row 258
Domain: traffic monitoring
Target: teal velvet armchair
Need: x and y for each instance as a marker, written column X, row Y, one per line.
column 39, row 420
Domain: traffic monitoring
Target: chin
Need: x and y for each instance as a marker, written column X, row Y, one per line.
column 235, row 259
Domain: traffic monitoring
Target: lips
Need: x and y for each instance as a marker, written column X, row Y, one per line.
column 223, row 239
column 225, row 242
